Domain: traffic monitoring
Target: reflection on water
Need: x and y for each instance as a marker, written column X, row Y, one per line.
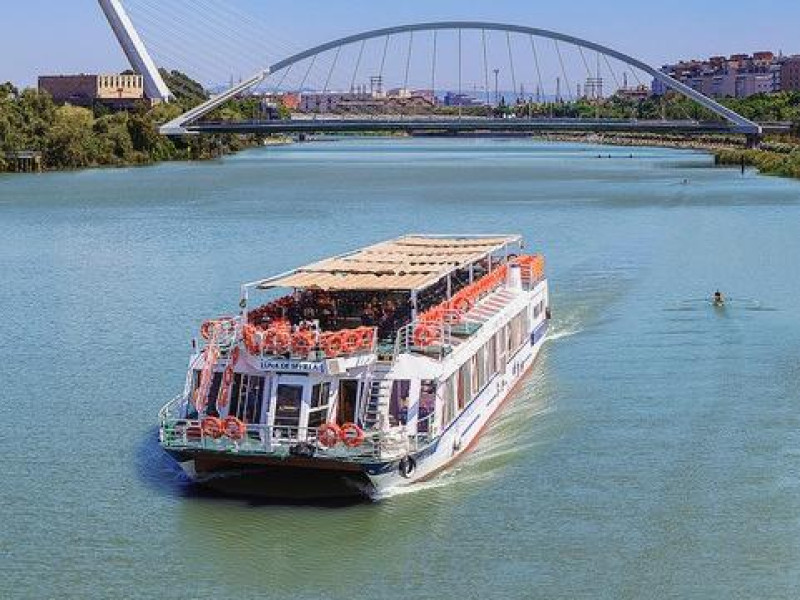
column 651, row 452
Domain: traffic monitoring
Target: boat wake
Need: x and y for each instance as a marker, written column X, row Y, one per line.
column 456, row 476
column 559, row 334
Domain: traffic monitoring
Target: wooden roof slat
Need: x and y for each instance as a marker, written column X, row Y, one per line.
column 407, row 263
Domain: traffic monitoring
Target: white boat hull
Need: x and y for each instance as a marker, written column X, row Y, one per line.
column 464, row 432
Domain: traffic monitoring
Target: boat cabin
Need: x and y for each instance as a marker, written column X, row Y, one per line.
column 355, row 339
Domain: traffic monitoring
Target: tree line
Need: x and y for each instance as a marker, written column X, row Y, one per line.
column 72, row 137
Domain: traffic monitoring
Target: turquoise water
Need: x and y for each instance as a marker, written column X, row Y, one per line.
column 653, row 452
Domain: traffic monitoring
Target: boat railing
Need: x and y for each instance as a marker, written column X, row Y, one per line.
column 434, row 342
column 290, row 343
column 284, row 441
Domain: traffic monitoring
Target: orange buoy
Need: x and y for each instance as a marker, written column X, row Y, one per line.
column 424, row 336
column 463, row 304
column 282, row 342
column 367, row 338
column 351, row 435
column 234, row 428
column 212, row 427
column 328, row 435
column 206, row 328
column 268, row 341
column 332, row 345
column 302, row 342
column 252, row 339
column 351, row 341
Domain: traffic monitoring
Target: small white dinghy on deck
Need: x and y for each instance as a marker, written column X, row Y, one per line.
column 377, row 370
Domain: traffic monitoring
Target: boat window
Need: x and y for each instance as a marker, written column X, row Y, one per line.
column 247, row 394
column 464, row 388
column 473, row 370
column 449, row 401
column 427, row 406
column 499, row 344
column 520, row 329
column 491, row 357
column 399, row 402
column 287, row 408
column 320, row 399
column 480, row 358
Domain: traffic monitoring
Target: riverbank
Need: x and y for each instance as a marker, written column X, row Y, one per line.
column 780, row 157
column 65, row 137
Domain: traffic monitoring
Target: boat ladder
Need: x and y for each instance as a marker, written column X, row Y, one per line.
column 378, row 396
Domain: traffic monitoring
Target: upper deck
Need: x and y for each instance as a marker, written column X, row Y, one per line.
column 413, row 294
column 411, row 264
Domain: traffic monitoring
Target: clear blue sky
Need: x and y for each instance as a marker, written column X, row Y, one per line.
column 51, row 36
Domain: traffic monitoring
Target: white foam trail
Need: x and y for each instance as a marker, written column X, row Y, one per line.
column 453, row 477
column 561, row 334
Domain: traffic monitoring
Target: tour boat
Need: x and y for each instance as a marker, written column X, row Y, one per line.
column 361, row 373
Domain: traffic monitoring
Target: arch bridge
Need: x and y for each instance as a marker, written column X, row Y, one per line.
column 193, row 120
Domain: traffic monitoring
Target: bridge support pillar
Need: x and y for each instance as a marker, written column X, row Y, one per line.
column 754, row 141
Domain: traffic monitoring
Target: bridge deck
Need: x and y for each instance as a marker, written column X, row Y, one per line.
column 417, row 124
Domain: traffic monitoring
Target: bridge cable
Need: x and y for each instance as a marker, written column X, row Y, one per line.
column 585, row 64
column 538, row 69
column 286, row 72
column 330, row 71
column 433, row 67
column 172, row 49
column 486, row 69
column 330, row 74
column 460, row 99
column 563, row 70
column 511, row 61
column 308, row 70
column 156, row 19
column 613, row 74
column 383, row 58
column 358, row 65
column 408, row 58
column 238, row 18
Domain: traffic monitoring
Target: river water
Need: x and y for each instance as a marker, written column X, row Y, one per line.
column 653, row 452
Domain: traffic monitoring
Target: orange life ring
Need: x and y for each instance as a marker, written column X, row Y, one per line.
column 463, row 304
column 332, row 345
column 212, row 427
column 367, row 338
column 351, row 435
column 433, row 315
column 328, row 435
column 234, row 428
column 251, row 336
column 302, row 342
column 424, row 336
column 282, row 342
column 205, row 330
column 351, row 341
column 268, row 341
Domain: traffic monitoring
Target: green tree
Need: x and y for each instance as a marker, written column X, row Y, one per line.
column 70, row 141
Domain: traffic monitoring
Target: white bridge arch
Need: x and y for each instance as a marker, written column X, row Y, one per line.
column 739, row 123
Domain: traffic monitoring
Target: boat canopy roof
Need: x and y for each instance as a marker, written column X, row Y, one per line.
column 409, row 263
